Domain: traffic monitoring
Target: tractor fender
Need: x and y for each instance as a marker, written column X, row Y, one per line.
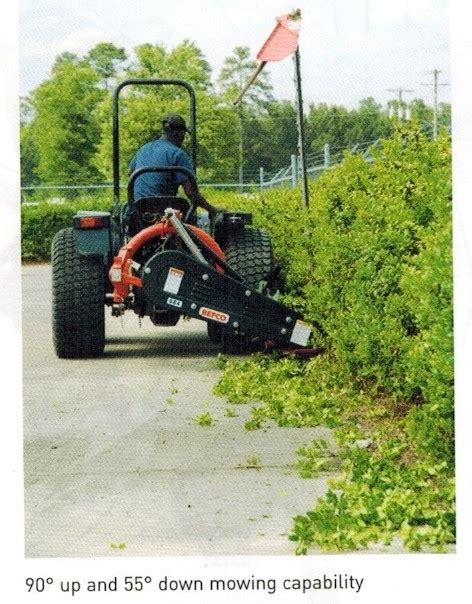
column 92, row 232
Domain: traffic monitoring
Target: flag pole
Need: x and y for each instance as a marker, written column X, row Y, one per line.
column 301, row 130
column 251, row 80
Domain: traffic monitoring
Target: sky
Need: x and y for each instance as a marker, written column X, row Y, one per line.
column 350, row 49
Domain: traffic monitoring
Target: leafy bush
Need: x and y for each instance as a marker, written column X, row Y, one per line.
column 40, row 222
column 370, row 265
column 42, row 219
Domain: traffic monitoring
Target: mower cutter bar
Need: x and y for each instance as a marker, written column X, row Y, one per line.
column 175, row 281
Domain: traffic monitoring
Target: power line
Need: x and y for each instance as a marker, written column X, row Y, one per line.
column 435, row 86
column 401, row 102
column 400, row 92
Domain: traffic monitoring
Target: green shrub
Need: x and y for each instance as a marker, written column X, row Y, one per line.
column 370, row 264
column 40, row 222
column 42, row 219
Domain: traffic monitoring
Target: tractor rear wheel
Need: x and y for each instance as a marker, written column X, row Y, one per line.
column 78, row 300
column 249, row 253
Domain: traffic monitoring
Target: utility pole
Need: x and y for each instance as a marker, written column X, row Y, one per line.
column 301, row 132
column 435, row 85
column 401, row 102
column 241, row 137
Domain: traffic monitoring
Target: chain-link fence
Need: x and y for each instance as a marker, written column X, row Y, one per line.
column 253, row 179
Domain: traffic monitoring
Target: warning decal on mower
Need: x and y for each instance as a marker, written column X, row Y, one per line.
column 173, row 281
column 301, row 333
column 215, row 315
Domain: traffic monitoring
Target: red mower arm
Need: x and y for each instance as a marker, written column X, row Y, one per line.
column 120, row 271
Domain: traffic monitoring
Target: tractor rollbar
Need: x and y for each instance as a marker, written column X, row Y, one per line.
column 116, row 137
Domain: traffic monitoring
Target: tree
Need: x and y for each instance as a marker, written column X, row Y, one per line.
column 29, row 157
column 421, row 111
column 106, row 58
column 185, row 62
column 343, row 128
column 368, row 123
column 328, row 124
column 64, row 129
column 66, row 58
column 276, row 140
column 28, row 150
column 143, row 107
column 235, row 72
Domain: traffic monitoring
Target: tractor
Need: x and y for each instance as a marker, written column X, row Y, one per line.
column 158, row 263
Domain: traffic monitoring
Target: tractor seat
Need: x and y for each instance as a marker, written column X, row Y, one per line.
column 148, row 207
column 150, row 210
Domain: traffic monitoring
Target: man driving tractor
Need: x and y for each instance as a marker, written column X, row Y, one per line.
column 166, row 151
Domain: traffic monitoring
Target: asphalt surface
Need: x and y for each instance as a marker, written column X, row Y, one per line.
column 115, row 464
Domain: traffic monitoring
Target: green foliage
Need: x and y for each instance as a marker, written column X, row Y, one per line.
column 40, row 222
column 343, row 128
column 236, row 71
column 314, row 458
column 376, row 239
column 204, row 419
column 378, row 497
column 185, row 62
column 277, row 132
column 297, row 400
column 370, row 265
column 106, row 58
column 29, row 156
column 253, row 462
column 65, row 131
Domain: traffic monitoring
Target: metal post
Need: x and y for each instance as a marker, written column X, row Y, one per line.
column 435, row 114
column 301, row 136
column 327, row 155
column 294, row 164
column 435, row 85
column 241, row 148
column 261, row 178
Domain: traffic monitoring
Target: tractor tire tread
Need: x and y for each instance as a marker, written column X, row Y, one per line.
column 78, row 297
column 249, row 253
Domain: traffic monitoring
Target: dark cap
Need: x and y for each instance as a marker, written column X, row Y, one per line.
column 174, row 121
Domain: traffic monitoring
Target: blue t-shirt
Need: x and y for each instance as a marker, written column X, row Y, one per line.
column 160, row 152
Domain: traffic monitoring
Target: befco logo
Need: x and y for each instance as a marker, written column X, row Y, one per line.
column 215, row 315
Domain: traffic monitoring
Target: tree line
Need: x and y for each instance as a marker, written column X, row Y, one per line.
column 66, row 123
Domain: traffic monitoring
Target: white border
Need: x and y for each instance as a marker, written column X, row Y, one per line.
column 388, row 579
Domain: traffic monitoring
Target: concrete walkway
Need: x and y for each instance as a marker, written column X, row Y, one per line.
column 113, row 454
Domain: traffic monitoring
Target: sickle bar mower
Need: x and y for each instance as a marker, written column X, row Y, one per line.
column 155, row 261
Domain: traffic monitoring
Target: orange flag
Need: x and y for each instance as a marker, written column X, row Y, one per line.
column 283, row 40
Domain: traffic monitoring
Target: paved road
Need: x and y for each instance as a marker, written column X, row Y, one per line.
column 110, row 460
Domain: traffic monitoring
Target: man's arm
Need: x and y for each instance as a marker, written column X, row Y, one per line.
column 190, row 187
column 197, row 198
